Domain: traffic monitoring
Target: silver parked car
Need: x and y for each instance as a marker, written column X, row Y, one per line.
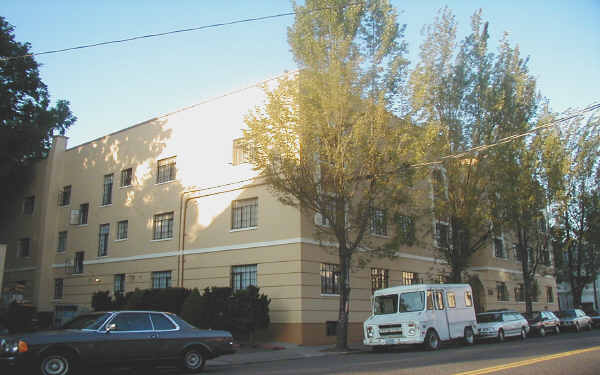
column 574, row 319
column 501, row 324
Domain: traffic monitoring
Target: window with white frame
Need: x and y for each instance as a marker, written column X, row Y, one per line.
column 243, row 276
column 406, row 228
column 78, row 263
column 379, row 278
column 549, row 295
column 244, row 213
column 62, row 242
column 330, row 278
column 378, row 221
column 126, row 177
column 119, row 284
column 442, row 235
column 122, row 229
column 499, row 248
column 58, row 288
column 28, row 205
column 161, row 279
column 107, row 190
column 163, row 226
column 501, row 291
column 409, row 278
column 166, row 170
column 516, row 252
column 83, row 213
column 25, row 247
column 103, row 239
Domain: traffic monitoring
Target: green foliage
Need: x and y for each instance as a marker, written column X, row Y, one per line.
column 27, row 121
column 102, row 301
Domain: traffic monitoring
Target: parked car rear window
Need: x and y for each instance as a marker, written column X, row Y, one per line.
column 489, row 318
column 534, row 316
column 413, row 301
column 566, row 314
column 161, row 323
column 386, row 304
column 87, row 321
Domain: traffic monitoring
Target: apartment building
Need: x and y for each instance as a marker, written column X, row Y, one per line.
column 172, row 202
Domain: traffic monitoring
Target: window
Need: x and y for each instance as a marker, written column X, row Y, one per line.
column 107, row 190
column 331, row 328
column 122, row 229
column 379, row 278
column 411, row 301
column 24, row 247
column 406, row 226
column 516, row 252
column 127, row 322
column 243, row 276
column 378, row 222
column 429, row 300
column 549, row 295
column 501, row 291
column 161, row 279
column 103, row 240
column 161, row 322
column 519, row 295
column 441, row 279
column 166, row 170
column 439, row 300
column 386, row 304
column 441, row 235
column 119, row 284
column 499, row 248
column 468, row 299
column 328, row 211
column 409, row 278
column 83, row 213
column 163, row 226
column 58, row 288
column 126, row 177
column 64, row 198
column 242, row 152
column 244, row 213
column 28, row 205
column 451, row 300
column 439, row 187
column 330, row 278
column 62, row 242
column 78, row 263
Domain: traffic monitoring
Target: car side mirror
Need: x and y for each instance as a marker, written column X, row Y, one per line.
column 111, row 327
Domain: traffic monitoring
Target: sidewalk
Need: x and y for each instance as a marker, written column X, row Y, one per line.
column 279, row 351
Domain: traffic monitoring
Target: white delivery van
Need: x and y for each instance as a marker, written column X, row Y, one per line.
column 421, row 314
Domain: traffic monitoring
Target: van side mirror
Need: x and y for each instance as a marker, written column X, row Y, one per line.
column 111, row 327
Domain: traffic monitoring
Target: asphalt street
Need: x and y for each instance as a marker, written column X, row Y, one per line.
column 567, row 353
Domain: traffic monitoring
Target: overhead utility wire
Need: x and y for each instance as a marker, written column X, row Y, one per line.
column 172, row 32
column 511, row 138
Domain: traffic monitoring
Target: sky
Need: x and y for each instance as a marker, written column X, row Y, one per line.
column 116, row 86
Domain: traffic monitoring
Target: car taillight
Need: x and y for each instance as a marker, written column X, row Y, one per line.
column 23, row 347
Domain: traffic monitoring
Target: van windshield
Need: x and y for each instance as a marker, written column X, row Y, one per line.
column 386, row 304
column 413, row 301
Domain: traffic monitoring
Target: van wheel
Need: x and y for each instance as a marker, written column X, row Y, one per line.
column 542, row 331
column 500, row 336
column 432, row 340
column 469, row 336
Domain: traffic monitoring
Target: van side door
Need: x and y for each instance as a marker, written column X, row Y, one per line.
column 440, row 316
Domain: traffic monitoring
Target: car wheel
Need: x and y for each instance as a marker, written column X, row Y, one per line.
column 500, row 336
column 432, row 340
column 589, row 326
column 469, row 336
column 523, row 334
column 542, row 331
column 56, row 364
column 193, row 360
column 577, row 328
column 556, row 329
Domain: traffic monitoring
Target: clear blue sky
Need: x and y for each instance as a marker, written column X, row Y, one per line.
column 115, row 86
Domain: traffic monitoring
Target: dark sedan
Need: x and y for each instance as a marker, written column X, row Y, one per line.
column 116, row 338
column 542, row 322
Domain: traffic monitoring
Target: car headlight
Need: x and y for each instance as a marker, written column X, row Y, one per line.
column 412, row 328
column 10, row 346
column 370, row 331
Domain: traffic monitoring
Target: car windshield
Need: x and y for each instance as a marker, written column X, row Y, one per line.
column 87, row 321
column 489, row 318
column 413, row 301
column 386, row 304
column 566, row 314
column 533, row 316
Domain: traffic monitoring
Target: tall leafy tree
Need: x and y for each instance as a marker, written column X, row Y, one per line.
column 27, row 120
column 572, row 169
column 327, row 140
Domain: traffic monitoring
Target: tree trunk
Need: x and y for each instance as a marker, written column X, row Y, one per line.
column 344, row 308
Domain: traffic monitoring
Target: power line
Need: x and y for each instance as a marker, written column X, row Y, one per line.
column 204, row 27
column 511, row 138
